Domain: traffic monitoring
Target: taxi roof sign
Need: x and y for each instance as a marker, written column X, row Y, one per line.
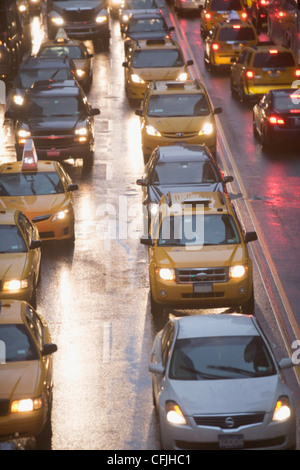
column 29, row 158
column 61, row 36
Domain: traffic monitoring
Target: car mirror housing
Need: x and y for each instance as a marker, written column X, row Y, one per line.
column 125, row 64
column 156, row 368
column 49, row 348
column 286, row 363
column 190, row 62
column 218, row 110
column 139, row 112
column 141, row 182
column 228, row 179
column 250, row 237
column 147, row 241
column 35, row 244
column 94, row 112
column 72, row 187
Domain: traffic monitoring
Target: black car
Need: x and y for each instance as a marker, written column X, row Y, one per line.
column 145, row 25
column 259, row 13
column 59, row 120
column 180, row 168
column 276, row 117
column 35, row 69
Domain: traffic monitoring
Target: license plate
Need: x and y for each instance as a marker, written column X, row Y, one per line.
column 231, row 441
column 203, row 288
column 274, row 74
column 53, row 153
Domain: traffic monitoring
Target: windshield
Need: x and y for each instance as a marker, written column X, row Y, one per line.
column 30, row 184
column 18, row 344
column 157, row 58
column 178, row 105
column 287, row 102
column 212, row 358
column 184, row 173
column 11, row 240
column 52, row 106
column 27, row 77
column 226, row 5
column 236, row 34
column 276, row 59
column 139, row 5
column 198, row 230
column 146, row 25
column 73, row 52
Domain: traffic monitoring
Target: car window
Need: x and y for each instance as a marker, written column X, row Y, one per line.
column 178, row 105
column 30, row 184
column 213, row 358
column 27, row 228
column 236, row 34
column 287, row 102
column 11, row 240
column 35, row 326
column 19, row 346
column 166, row 342
column 198, row 230
column 225, row 5
column 157, row 58
column 73, row 52
column 184, row 173
column 144, row 25
column 275, row 59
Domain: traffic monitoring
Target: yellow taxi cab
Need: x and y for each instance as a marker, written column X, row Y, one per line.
column 20, row 256
column 198, row 255
column 73, row 49
column 174, row 112
column 262, row 68
column 226, row 41
column 26, row 371
column 43, row 191
column 153, row 59
column 216, row 11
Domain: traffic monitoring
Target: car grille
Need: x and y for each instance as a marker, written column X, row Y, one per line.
column 79, row 16
column 202, row 275
column 179, row 135
column 229, row 421
column 4, row 407
column 261, row 444
column 47, row 234
column 53, row 142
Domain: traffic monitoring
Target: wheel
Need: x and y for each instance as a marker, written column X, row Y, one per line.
column 232, row 89
column 255, row 133
column 156, row 309
column 88, row 159
column 248, row 307
column 242, row 95
column 265, row 140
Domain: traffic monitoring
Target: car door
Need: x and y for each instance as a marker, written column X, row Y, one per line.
column 161, row 355
column 260, row 115
column 31, row 234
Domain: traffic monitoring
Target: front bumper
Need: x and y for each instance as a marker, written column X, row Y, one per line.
column 22, row 294
column 27, row 424
column 57, row 230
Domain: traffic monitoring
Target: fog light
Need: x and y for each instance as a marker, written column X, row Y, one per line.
column 242, row 290
column 163, row 293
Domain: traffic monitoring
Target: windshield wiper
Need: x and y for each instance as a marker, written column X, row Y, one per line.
column 236, row 370
column 203, row 375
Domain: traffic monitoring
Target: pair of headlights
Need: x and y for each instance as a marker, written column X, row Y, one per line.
column 207, row 129
column 139, row 80
column 58, row 21
column 235, row 272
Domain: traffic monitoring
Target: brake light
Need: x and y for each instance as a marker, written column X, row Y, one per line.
column 273, row 51
column 244, row 15
column 215, row 47
column 264, row 2
column 276, row 120
column 297, row 73
column 207, row 16
column 236, row 26
column 249, row 74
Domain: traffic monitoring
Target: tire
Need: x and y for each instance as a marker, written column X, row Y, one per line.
column 88, row 159
column 156, row 309
column 265, row 140
column 255, row 133
column 248, row 307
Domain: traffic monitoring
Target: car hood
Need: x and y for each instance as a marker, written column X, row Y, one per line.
column 34, row 206
column 204, row 256
column 46, row 124
column 12, row 265
column 180, row 124
column 19, row 379
column 155, row 192
column 225, row 396
column 77, row 5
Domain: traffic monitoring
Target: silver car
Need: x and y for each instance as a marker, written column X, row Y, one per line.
column 217, row 385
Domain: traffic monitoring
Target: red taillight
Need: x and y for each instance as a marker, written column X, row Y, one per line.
column 244, row 15
column 273, row 51
column 297, row 73
column 276, row 120
column 215, row 47
column 264, row 2
column 236, row 26
column 249, row 74
column 207, row 16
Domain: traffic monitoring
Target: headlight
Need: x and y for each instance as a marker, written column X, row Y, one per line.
column 15, row 285
column 18, row 100
column 81, row 131
column 136, row 79
column 237, row 271
column 166, row 274
column 80, row 73
column 174, row 413
column 182, row 77
column 101, row 19
column 152, row 131
column 125, row 18
column 282, row 410
column 207, row 129
column 27, row 404
column 60, row 215
column 57, row 21
column 24, row 133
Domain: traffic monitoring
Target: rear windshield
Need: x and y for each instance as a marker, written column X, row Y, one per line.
column 226, row 5
column 30, row 184
column 184, row 173
column 288, row 102
column 276, row 59
column 236, row 34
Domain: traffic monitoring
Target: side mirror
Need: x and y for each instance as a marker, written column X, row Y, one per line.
column 171, row 28
column 218, row 110
column 125, row 64
column 141, row 182
column 156, row 368
column 94, row 112
column 72, row 187
column 90, row 56
column 139, row 112
column 190, row 62
column 286, row 363
column 228, row 179
column 35, row 244
column 49, row 348
column 250, row 237
column 147, row 241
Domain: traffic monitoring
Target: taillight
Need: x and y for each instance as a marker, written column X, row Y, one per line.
column 249, row 74
column 264, row 2
column 276, row 120
column 215, row 46
column 207, row 16
column 297, row 73
column 244, row 15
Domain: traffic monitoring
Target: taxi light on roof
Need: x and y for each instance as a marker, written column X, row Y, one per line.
column 215, row 46
column 29, row 158
column 61, row 36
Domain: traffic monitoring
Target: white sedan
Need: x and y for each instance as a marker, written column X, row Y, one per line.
column 217, row 385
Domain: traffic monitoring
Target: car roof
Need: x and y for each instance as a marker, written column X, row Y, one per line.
column 160, row 43
column 146, row 15
column 208, row 325
column 55, row 83
column 8, row 216
column 183, row 153
column 267, row 47
column 42, row 166
column 168, row 86
column 12, row 311
column 213, row 202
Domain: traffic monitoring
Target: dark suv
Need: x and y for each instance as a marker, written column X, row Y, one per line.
column 80, row 20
